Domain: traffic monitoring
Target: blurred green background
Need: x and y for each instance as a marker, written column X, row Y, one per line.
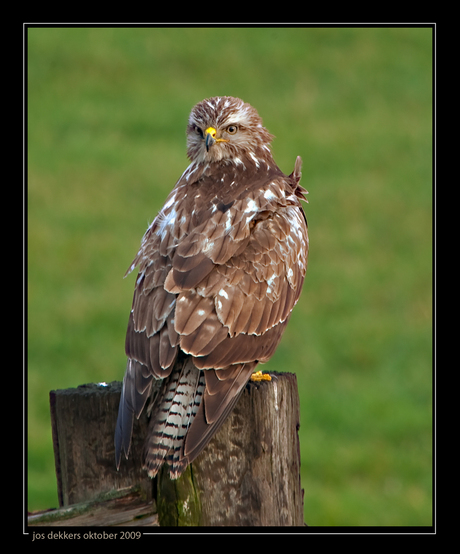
column 107, row 110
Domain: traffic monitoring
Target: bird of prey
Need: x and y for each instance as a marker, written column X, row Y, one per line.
column 220, row 270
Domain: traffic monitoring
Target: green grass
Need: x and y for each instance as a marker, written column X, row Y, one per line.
column 107, row 110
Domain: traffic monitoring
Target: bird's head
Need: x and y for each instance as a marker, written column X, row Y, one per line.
column 224, row 128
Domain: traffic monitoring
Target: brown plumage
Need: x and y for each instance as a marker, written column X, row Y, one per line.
column 220, row 269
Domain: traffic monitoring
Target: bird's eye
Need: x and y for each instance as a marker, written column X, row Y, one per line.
column 198, row 131
column 232, row 129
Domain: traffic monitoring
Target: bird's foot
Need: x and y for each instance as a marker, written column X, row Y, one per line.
column 259, row 376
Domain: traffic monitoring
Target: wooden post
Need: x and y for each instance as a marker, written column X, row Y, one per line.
column 83, row 425
column 248, row 475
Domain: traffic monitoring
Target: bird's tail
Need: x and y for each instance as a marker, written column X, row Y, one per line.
column 174, row 411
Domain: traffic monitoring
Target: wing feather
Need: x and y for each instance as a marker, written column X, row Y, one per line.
column 193, row 310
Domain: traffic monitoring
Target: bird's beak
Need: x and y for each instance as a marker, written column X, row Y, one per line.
column 210, row 137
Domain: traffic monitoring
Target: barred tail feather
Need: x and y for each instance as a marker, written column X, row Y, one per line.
column 187, row 411
column 175, row 410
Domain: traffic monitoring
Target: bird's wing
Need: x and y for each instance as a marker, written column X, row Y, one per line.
column 237, row 276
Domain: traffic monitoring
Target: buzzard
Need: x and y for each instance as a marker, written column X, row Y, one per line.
column 220, row 269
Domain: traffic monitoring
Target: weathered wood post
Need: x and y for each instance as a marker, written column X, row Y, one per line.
column 248, row 475
column 83, row 423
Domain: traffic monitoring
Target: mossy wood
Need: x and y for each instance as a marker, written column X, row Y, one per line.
column 248, row 475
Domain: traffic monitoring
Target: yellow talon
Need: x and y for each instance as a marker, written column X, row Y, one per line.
column 259, row 376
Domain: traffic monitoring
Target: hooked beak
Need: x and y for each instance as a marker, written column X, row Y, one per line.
column 210, row 137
